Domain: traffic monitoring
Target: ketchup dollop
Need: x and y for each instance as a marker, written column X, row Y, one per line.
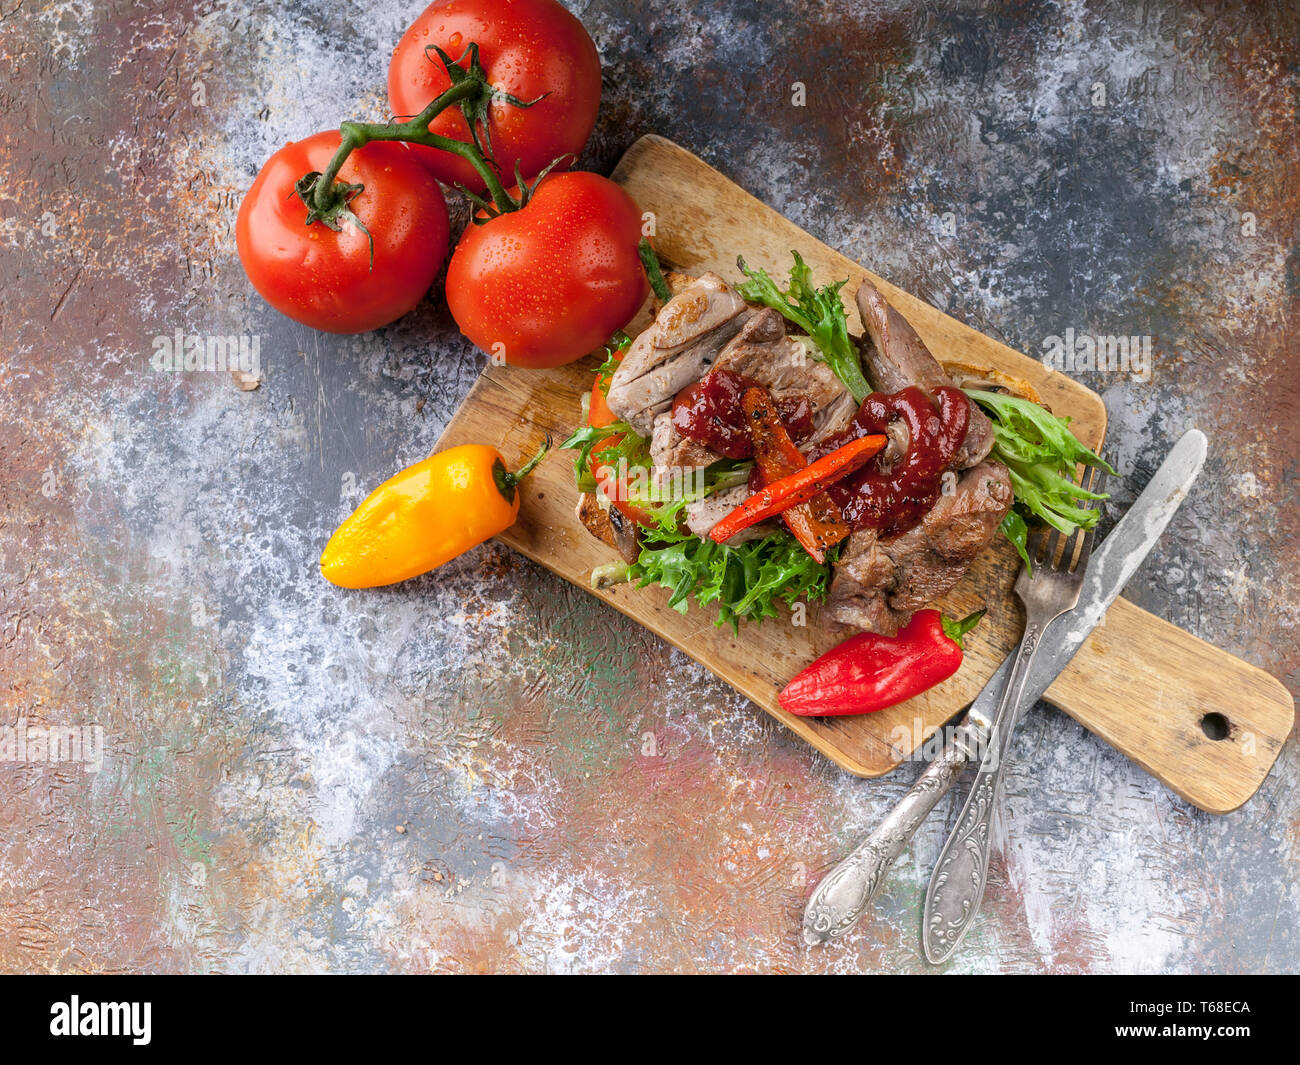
column 709, row 412
column 891, row 500
column 896, row 500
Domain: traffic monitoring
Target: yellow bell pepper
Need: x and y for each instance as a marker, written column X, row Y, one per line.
column 425, row 516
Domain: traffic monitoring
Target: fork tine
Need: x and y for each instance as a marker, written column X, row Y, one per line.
column 1098, row 484
column 1096, row 480
column 1047, row 550
column 1077, row 546
column 1038, row 539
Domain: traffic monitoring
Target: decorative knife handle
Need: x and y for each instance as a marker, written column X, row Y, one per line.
column 957, row 883
column 847, row 890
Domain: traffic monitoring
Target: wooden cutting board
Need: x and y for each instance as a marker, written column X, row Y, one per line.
column 1155, row 692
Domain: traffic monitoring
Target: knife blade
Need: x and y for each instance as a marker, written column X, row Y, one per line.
column 847, row 890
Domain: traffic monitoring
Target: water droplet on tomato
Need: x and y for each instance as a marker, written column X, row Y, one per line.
column 454, row 40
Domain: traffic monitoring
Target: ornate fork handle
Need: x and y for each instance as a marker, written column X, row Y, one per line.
column 847, row 890
column 957, row 884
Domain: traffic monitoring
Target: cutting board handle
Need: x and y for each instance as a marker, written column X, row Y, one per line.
column 1212, row 736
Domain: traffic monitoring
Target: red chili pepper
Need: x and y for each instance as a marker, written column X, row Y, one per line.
column 871, row 672
column 798, row 487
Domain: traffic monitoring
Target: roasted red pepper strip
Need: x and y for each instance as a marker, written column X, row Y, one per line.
column 816, row 524
column 607, row 479
column 870, row 672
column 774, row 449
column 798, row 487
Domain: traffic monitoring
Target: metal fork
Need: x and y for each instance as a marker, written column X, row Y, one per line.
column 1048, row 590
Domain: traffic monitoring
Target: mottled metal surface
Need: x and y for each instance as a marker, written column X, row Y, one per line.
column 572, row 795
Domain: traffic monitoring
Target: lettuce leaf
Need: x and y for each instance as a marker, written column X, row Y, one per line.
column 614, row 352
column 746, row 581
column 1041, row 455
column 630, row 447
column 819, row 312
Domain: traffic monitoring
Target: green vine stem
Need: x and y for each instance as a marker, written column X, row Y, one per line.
column 650, row 261
column 416, row 131
column 327, row 199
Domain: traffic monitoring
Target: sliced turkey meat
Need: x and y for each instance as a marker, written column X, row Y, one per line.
column 897, row 357
column 704, row 514
column 781, row 364
column 675, row 351
column 878, row 583
column 669, row 450
column 833, row 418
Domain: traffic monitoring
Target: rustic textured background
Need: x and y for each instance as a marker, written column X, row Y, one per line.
column 267, row 733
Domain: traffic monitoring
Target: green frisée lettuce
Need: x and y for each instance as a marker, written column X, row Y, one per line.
column 819, row 312
column 1016, row 529
column 664, row 505
column 628, row 459
column 629, row 448
column 746, row 581
column 1041, row 454
column 614, row 353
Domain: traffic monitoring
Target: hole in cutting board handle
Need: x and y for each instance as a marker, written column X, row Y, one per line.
column 1216, row 726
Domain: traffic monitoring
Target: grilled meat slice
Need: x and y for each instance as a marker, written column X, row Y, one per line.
column 608, row 525
column 957, row 529
column 677, row 284
column 864, row 576
column 704, row 514
column 900, row 357
column 878, row 584
column 897, row 358
column 763, row 352
column 675, row 350
column 832, row 418
column 670, row 450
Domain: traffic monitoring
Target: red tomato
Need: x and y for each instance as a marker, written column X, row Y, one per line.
column 322, row 278
column 612, row 487
column 607, row 479
column 528, row 48
column 598, row 412
column 550, row 283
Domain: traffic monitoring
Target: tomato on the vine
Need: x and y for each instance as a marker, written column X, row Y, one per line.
column 552, row 281
column 531, row 50
column 325, row 278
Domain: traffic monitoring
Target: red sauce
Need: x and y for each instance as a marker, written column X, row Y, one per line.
column 897, row 500
column 709, row 412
